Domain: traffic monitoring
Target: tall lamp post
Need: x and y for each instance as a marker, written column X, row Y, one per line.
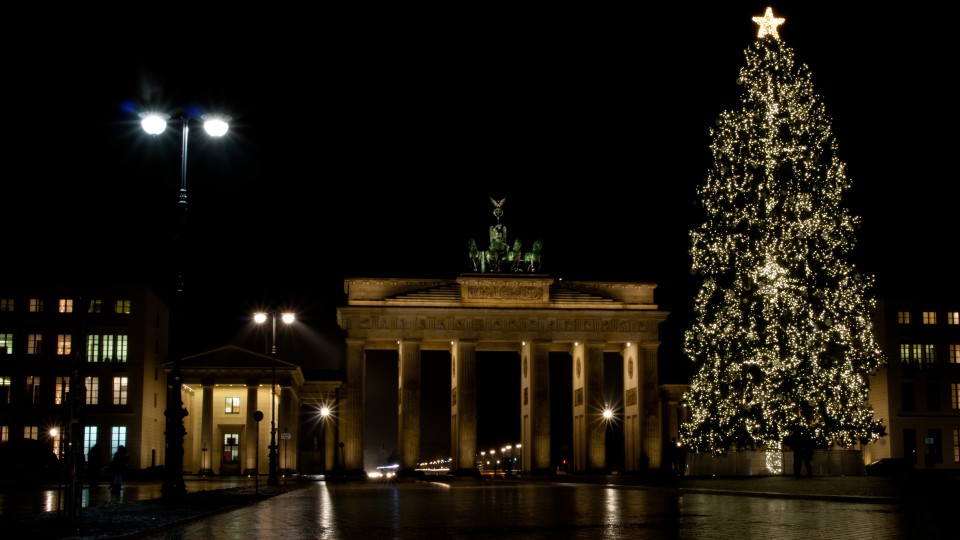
column 261, row 318
column 173, row 485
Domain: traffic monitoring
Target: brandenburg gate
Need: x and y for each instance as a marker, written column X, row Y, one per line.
column 505, row 304
column 532, row 314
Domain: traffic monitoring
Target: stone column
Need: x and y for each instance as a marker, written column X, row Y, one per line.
column 351, row 407
column 578, row 460
column 251, row 436
column 594, row 402
column 535, row 406
column 633, row 449
column 330, row 439
column 287, row 423
column 463, row 406
column 650, row 403
column 408, row 421
column 206, row 430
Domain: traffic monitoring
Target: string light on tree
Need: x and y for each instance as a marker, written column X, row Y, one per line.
column 782, row 338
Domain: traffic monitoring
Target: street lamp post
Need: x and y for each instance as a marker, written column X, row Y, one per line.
column 173, row 484
column 260, row 318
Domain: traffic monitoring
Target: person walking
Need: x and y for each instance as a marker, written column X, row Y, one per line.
column 94, row 465
column 117, row 466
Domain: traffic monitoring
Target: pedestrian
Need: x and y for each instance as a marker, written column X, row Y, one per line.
column 795, row 441
column 117, row 466
column 673, row 460
column 801, row 442
column 94, row 465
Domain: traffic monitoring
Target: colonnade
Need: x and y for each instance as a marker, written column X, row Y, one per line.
column 639, row 413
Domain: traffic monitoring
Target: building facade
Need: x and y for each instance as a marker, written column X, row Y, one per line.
column 84, row 367
column 917, row 394
column 87, row 369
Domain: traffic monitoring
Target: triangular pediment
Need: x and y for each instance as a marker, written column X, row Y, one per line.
column 232, row 364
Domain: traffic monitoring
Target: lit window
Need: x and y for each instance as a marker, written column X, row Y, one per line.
column 903, row 317
column 93, row 348
column 31, row 432
column 231, row 448
column 95, row 306
column 119, row 390
column 929, row 354
column 107, row 351
column 34, row 343
column 107, row 348
column 65, row 305
column 93, row 390
column 33, row 388
column 89, row 438
column 121, row 348
column 6, row 304
column 956, row 446
column 64, row 342
column 118, row 437
column 57, row 439
column 36, row 305
column 63, row 388
column 5, row 389
column 955, row 396
column 6, row 343
column 123, row 306
column 953, row 317
column 954, row 353
column 232, row 405
column 4, row 434
column 904, row 353
column 929, row 317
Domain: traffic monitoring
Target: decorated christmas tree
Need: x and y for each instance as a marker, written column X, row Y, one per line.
column 781, row 339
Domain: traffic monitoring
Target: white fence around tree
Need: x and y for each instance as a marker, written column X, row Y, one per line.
column 762, row 463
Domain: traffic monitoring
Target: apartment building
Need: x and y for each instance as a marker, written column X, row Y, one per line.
column 917, row 394
column 85, row 357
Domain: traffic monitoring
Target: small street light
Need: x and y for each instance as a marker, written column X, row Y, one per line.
column 260, row 318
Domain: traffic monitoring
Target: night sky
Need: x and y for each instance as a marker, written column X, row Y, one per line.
column 368, row 143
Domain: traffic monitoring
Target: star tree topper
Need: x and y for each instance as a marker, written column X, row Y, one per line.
column 768, row 24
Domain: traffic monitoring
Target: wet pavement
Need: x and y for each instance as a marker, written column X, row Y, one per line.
column 53, row 499
column 549, row 507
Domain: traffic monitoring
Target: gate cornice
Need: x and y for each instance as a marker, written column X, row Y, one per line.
column 498, row 312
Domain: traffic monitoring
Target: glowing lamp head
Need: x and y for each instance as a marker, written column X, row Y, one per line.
column 154, row 123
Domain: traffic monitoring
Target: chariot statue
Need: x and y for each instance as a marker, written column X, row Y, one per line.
column 500, row 256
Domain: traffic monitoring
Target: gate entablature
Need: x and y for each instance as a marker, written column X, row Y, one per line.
column 497, row 309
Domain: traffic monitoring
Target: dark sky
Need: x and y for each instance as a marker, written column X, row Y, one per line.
column 368, row 143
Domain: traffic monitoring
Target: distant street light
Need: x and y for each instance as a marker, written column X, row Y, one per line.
column 155, row 123
column 326, row 413
column 261, row 318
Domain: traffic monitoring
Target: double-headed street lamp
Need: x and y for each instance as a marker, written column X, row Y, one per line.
column 173, row 485
column 261, row 318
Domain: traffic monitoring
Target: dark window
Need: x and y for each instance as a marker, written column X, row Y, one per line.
column 933, row 397
column 907, row 397
column 910, row 445
column 934, row 447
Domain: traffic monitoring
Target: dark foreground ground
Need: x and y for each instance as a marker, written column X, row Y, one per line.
column 138, row 514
